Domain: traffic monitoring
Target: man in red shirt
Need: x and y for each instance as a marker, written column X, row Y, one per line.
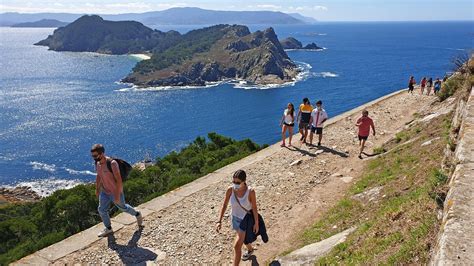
column 364, row 124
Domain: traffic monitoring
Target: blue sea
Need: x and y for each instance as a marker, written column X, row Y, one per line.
column 55, row 105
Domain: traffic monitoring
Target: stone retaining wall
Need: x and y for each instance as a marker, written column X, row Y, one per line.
column 456, row 238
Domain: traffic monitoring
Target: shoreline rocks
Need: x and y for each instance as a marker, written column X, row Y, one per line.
column 19, row 194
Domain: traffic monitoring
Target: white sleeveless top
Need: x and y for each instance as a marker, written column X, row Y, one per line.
column 236, row 210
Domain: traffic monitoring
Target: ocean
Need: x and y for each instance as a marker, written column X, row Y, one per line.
column 55, row 105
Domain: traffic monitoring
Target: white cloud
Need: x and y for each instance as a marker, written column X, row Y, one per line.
column 320, row 8
column 264, row 6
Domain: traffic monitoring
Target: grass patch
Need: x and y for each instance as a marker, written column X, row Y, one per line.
column 398, row 224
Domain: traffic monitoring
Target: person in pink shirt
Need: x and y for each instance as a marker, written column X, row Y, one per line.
column 109, row 189
column 364, row 124
column 422, row 85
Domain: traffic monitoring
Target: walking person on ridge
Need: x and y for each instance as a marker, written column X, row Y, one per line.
column 240, row 196
column 304, row 115
column 422, row 85
column 429, row 86
column 411, row 84
column 364, row 124
column 287, row 122
column 109, row 189
column 318, row 117
column 437, row 86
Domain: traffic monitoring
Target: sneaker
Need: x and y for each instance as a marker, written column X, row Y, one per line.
column 319, row 143
column 105, row 232
column 139, row 219
column 247, row 255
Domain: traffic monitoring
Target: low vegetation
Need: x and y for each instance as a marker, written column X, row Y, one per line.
column 461, row 79
column 26, row 228
column 394, row 205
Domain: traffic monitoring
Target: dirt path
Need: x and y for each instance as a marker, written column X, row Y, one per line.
column 290, row 198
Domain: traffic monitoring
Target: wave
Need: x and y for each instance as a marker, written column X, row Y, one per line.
column 77, row 172
column 326, row 75
column 306, row 50
column 43, row 166
column 135, row 88
column 45, row 187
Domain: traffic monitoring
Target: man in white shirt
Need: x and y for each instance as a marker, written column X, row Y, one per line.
column 318, row 117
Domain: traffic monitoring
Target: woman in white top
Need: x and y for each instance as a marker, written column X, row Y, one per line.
column 247, row 199
column 287, row 122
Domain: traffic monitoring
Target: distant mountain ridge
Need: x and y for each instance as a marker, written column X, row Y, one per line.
column 44, row 23
column 172, row 16
column 209, row 54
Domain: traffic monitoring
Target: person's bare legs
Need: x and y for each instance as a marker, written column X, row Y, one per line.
column 290, row 130
column 311, row 137
column 320, row 138
column 249, row 247
column 305, row 134
column 239, row 241
column 362, row 144
column 283, row 135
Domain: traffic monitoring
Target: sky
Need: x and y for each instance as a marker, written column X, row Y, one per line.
column 325, row 10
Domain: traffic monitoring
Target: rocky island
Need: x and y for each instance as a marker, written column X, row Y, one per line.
column 210, row 54
column 291, row 43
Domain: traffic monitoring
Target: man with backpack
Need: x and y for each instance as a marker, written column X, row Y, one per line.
column 109, row 187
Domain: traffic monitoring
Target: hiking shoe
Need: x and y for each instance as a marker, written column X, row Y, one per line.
column 247, row 255
column 105, row 232
column 139, row 219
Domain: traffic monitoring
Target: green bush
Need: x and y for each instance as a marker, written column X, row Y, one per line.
column 26, row 228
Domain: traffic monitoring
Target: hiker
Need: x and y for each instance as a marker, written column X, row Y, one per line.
column 429, row 86
column 422, row 85
column 364, row 124
column 242, row 198
column 287, row 122
column 304, row 115
column 411, row 84
column 437, row 86
column 318, row 117
column 109, row 188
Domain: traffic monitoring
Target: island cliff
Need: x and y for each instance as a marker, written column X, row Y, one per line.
column 210, row 54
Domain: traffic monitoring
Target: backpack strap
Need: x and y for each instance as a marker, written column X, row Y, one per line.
column 237, row 199
column 109, row 164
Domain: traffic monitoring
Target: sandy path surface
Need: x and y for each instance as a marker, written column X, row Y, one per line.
column 290, row 198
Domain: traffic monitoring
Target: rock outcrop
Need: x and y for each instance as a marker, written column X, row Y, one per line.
column 294, row 44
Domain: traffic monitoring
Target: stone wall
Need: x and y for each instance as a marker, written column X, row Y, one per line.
column 456, row 237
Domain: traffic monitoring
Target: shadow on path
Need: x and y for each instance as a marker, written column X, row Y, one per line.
column 323, row 148
column 333, row 151
column 131, row 253
column 253, row 260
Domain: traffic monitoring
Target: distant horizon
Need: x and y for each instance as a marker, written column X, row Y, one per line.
column 318, row 20
column 324, row 10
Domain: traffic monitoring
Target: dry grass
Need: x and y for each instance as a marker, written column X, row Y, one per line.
column 399, row 225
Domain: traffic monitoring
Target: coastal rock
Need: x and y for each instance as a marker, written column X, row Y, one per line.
column 291, row 43
column 312, row 46
column 17, row 194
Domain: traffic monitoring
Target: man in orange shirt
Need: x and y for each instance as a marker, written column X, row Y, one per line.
column 109, row 189
column 364, row 124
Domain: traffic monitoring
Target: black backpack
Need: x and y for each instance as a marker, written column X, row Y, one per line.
column 125, row 168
